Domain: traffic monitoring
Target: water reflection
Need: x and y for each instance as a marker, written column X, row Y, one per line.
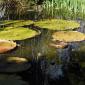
column 45, row 67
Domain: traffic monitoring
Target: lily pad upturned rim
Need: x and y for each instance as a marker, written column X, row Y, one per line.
column 18, row 33
column 17, row 59
column 6, row 45
column 68, row 36
column 57, row 24
column 59, row 45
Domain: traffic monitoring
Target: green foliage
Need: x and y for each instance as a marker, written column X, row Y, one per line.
column 16, row 23
column 57, row 24
column 65, row 8
column 14, row 30
column 18, row 33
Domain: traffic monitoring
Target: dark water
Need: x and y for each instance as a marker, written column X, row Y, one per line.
column 48, row 66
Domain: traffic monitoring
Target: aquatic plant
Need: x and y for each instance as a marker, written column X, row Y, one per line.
column 14, row 30
column 18, row 33
column 68, row 36
column 15, row 64
column 64, row 8
column 17, row 59
column 15, row 23
column 8, row 22
column 6, row 45
column 57, row 24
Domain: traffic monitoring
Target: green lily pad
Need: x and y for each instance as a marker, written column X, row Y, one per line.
column 22, row 23
column 6, row 22
column 16, row 23
column 68, row 36
column 57, row 24
column 18, row 33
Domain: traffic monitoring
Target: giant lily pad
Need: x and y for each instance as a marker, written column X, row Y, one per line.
column 16, row 23
column 68, row 36
column 8, row 22
column 19, row 33
column 57, row 24
column 6, row 45
column 15, row 64
column 22, row 23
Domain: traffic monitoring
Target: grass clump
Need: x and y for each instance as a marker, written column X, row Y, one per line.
column 65, row 8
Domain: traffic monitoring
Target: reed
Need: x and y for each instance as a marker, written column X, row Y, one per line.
column 64, row 8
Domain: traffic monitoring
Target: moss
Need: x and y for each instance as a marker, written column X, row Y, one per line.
column 68, row 36
column 19, row 33
column 57, row 24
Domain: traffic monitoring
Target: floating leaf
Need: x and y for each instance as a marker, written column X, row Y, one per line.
column 6, row 45
column 22, row 23
column 59, row 44
column 8, row 22
column 18, row 33
column 17, row 59
column 57, row 24
column 15, row 64
column 16, row 23
column 68, row 36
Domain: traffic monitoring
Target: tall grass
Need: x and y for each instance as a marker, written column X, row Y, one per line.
column 65, row 8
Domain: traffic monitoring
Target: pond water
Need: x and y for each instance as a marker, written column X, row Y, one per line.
column 45, row 66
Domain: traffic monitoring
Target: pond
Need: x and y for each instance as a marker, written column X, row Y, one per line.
column 45, row 66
